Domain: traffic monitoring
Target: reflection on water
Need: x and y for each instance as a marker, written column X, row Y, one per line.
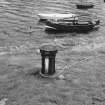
column 19, row 21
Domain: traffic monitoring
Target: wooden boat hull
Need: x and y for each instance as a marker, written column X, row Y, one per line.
column 76, row 27
column 69, row 27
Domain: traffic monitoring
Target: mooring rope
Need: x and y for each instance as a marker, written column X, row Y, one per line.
column 63, row 70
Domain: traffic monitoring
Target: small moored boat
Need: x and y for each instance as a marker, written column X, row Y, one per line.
column 85, row 5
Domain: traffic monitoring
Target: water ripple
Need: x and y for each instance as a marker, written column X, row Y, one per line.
column 20, row 16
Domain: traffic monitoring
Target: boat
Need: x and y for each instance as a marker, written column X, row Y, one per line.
column 71, row 24
column 56, row 16
column 84, row 5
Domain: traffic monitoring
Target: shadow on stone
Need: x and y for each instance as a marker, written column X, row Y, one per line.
column 33, row 71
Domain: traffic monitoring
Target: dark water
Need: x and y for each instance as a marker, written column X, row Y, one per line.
column 19, row 21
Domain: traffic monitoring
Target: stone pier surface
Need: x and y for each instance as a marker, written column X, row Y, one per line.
column 21, row 35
